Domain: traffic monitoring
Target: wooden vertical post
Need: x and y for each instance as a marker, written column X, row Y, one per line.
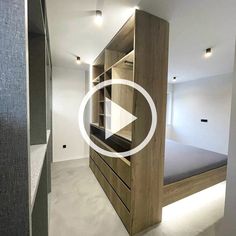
column 151, row 62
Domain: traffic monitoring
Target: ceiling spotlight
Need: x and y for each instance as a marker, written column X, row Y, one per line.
column 98, row 17
column 78, row 60
column 208, row 52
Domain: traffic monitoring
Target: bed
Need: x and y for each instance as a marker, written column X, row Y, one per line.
column 189, row 169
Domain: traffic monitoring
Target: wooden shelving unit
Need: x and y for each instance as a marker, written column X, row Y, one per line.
column 139, row 53
column 120, row 66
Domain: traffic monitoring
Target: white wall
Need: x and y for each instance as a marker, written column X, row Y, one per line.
column 68, row 91
column 229, row 222
column 207, row 98
column 169, row 109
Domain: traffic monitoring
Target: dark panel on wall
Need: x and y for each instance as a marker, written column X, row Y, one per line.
column 49, row 107
column 49, row 89
column 40, row 210
column 37, row 84
column 14, row 182
column 35, row 14
column 49, row 160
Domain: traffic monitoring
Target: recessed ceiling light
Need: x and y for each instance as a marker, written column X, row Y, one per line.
column 98, row 17
column 78, row 60
column 208, row 52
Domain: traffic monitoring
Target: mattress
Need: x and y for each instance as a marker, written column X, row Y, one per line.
column 183, row 161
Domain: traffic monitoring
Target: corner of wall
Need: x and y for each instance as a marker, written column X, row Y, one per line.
column 228, row 226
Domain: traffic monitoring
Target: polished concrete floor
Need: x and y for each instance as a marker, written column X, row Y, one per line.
column 80, row 207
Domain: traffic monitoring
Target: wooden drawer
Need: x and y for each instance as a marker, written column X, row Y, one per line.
column 120, row 166
column 118, row 205
column 117, row 184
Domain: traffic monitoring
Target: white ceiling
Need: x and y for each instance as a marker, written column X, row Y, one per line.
column 73, row 32
column 194, row 26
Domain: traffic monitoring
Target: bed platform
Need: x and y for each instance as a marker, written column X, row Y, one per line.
column 189, row 170
column 188, row 186
column 184, row 161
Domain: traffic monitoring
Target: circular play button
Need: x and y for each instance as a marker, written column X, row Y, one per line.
column 116, row 122
column 116, row 118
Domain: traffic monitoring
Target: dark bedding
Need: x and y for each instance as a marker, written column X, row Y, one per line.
column 183, row 161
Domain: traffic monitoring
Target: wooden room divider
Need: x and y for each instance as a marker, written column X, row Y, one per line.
column 134, row 185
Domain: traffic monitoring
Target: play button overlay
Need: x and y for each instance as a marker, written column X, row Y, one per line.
column 116, row 118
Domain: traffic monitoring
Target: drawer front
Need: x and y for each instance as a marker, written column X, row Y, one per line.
column 117, row 184
column 118, row 205
column 120, row 166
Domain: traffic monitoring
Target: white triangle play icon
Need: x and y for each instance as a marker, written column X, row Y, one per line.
column 116, row 118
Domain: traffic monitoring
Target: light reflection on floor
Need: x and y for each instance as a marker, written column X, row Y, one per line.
column 194, row 215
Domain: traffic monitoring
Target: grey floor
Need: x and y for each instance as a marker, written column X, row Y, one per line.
column 80, row 207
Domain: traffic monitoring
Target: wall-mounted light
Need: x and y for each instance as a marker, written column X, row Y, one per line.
column 78, row 60
column 98, row 17
column 208, row 52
